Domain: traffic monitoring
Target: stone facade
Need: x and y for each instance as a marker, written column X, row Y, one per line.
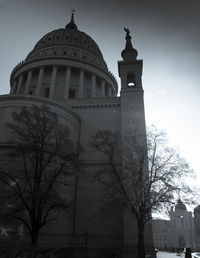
column 178, row 232
column 66, row 72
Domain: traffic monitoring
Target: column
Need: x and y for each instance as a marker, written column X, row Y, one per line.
column 80, row 87
column 67, row 82
column 19, row 85
column 93, row 83
column 28, row 81
column 13, row 88
column 103, row 93
column 53, row 82
column 109, row 91
column 39, row 81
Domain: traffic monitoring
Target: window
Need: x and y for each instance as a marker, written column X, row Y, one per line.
column 47, row 90
column 72, row 94
column 131, row 80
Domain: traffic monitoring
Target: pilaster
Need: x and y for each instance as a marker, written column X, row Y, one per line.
column 93, row 84
column 81, row 82
column 13, row 88
column 53, row 82
column 39, row 81
column 67, row 82
column 28, row 81
column 19, row 85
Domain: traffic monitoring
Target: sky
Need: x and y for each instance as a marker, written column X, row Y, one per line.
column 166, row 34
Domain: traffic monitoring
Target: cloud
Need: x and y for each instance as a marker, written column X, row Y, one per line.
column 156, row 93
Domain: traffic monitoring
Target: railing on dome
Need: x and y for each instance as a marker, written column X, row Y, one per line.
column 113, row 77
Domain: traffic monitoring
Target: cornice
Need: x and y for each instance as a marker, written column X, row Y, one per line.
column 94, row 103
column 41, row 100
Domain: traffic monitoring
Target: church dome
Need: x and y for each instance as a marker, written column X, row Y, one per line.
column 68, row 37
column 65, row 64
column 68, row 41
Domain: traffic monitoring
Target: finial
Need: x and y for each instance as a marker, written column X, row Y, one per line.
column 72, row 17
column 128, row 39
column 72, row 25
column 127, row 33
column 129, row 54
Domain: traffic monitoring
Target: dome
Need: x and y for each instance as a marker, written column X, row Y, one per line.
column 70, row 37
column 65, row 39
column 64, row 64
column 180, row 205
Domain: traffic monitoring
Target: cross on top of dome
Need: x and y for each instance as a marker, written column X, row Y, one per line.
column 71, row 24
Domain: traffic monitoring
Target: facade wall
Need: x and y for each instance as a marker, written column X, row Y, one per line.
column 178, row 232
column 66, row 71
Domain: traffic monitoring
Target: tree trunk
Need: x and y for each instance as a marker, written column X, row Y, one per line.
column 34, row 236
column 140, row 245
column 34, row 241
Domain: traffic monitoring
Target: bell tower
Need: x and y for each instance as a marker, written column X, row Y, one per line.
column 132, row 121
column 132, row 104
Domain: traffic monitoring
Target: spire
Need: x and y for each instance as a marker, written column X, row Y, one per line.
column 128, row 39
column 71, row 24
column 129, row 54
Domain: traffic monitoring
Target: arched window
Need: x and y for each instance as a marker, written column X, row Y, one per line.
column 131, row 80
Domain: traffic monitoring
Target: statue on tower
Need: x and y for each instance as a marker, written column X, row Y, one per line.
column 127, row 33
column 129, row 53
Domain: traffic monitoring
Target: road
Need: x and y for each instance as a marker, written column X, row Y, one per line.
column 161, row 254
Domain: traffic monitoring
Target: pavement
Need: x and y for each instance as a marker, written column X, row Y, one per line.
column 162, row 254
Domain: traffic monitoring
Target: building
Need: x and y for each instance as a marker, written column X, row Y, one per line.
column 66, row 71
column 178, row 232
column 161, row 233
column 197, row 226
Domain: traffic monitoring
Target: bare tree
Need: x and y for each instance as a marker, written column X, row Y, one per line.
column 143, row 177
column 38, row 160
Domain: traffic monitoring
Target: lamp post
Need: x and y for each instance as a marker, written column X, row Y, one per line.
column 86, row 243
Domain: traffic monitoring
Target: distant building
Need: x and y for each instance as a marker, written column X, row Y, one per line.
column 178, row 232
column 183, row 226
column 161, row 233
column 197, row 226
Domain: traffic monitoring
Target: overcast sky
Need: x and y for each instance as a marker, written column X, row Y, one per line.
column 166, row 34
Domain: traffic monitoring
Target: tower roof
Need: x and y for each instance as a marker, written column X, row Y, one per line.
column 180, row 205
column 129, row 54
